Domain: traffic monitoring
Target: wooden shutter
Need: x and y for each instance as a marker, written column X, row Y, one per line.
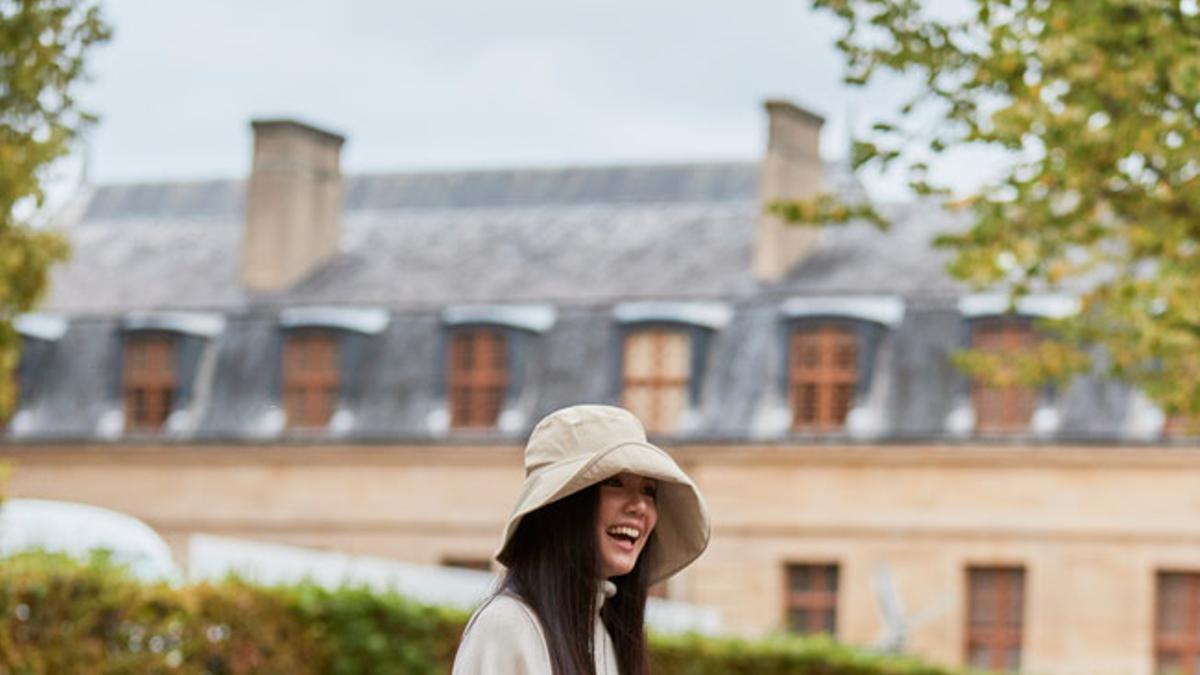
column 148, row 381
column 810, row 598
column 1006, row 409
column 310, row 378
column 478, row 376
column 995, row 617
column 1177, row 623
column 657, row 368
column 823, row 377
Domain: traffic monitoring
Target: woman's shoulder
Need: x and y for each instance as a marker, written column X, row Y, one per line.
column 503, row 637
column 506, row 613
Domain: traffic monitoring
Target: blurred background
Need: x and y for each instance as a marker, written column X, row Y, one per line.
column 330, row 262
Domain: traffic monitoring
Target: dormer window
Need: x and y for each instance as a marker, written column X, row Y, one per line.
column 656, row 374
column 488, row 351
column 310, row 378
column 832, row 344
column 823, row 376
column 995, row 327
column 663, row 349
column 477, row 377
column 149, row 382
column 1009, row 408
column 160, row 356
column 320, row 362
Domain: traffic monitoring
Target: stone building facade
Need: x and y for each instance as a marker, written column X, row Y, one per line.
column 353, row 362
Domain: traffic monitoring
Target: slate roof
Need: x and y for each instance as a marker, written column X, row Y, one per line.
column 574, row 236
column 581, row 239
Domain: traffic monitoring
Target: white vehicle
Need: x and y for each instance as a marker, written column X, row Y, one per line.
column 79, row 529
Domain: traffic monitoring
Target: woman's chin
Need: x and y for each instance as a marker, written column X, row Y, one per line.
column 618, row 563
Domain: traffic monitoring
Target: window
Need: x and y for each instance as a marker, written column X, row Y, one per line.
column 1177, row 623
column 1002, row 409
column 656, row 372
column 310, row 377
column 478, row 377
column 823, row 365
column 1182, row 425
column 149, row 385
column 995, row 610
column 476, row 564
column 811, row 598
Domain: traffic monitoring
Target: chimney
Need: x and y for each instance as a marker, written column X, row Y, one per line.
column 293, row 203
column 790, row 170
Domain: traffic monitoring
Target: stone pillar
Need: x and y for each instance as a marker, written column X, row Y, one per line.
column 791, row 169
column 293, row 204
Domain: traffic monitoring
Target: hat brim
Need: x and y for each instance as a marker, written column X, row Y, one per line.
column 683, row 529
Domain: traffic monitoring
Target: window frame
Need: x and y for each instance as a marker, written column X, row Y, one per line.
column 999, row 636
column 1014, row 396
column 166, row 382
column 1188, row 644
column 327, row 382
column 814, row 602
column 656, row 384
column 490, row 386
column 826, row 381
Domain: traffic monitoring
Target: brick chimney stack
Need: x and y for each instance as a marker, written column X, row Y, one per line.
column 293, row 204
column 791, row 169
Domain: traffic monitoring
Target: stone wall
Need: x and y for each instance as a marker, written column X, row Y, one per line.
column 1090, row 525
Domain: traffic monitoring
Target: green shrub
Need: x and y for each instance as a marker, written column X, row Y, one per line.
column 61, row 616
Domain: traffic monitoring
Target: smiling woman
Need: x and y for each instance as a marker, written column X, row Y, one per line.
column 625, row 518
column 601, row 516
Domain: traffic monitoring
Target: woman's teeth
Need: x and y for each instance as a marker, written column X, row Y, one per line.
column 621, row 531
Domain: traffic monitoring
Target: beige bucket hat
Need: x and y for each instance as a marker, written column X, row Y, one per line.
column 576, row 447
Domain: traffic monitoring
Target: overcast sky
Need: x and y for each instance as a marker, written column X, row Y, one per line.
column 418, row 84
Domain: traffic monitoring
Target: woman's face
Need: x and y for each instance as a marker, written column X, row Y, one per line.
column 625, row 516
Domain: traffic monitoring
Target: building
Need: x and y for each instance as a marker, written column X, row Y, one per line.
column 353, row 363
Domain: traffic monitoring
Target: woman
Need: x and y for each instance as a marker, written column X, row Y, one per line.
column 601, row 516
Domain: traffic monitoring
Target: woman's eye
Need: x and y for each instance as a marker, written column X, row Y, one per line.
column 651, row 492
column 611, row 482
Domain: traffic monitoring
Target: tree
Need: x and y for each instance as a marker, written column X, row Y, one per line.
column 43, row 46
column 1096, row 103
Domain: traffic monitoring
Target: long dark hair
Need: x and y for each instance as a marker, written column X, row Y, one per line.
column 554, row 566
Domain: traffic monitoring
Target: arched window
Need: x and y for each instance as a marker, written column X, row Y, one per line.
column 320, row 359
column 150, row 382
column 1008, row 408
column 656, row 374
column 832, row 344
column 311, row 377
column 823, row 376
column 477, row 376
column 159, row 358
column 996, row 327
column 488, row 349
column 663, row 351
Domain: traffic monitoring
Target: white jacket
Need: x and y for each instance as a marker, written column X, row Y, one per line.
column 505, row 638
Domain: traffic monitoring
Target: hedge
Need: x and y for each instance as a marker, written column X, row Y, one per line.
column 62, row 616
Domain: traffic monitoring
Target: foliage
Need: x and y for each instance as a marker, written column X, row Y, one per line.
column 63, row 616
column 379, row 633
column 43, row 45
column 1097, row 105
column 695, row 655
